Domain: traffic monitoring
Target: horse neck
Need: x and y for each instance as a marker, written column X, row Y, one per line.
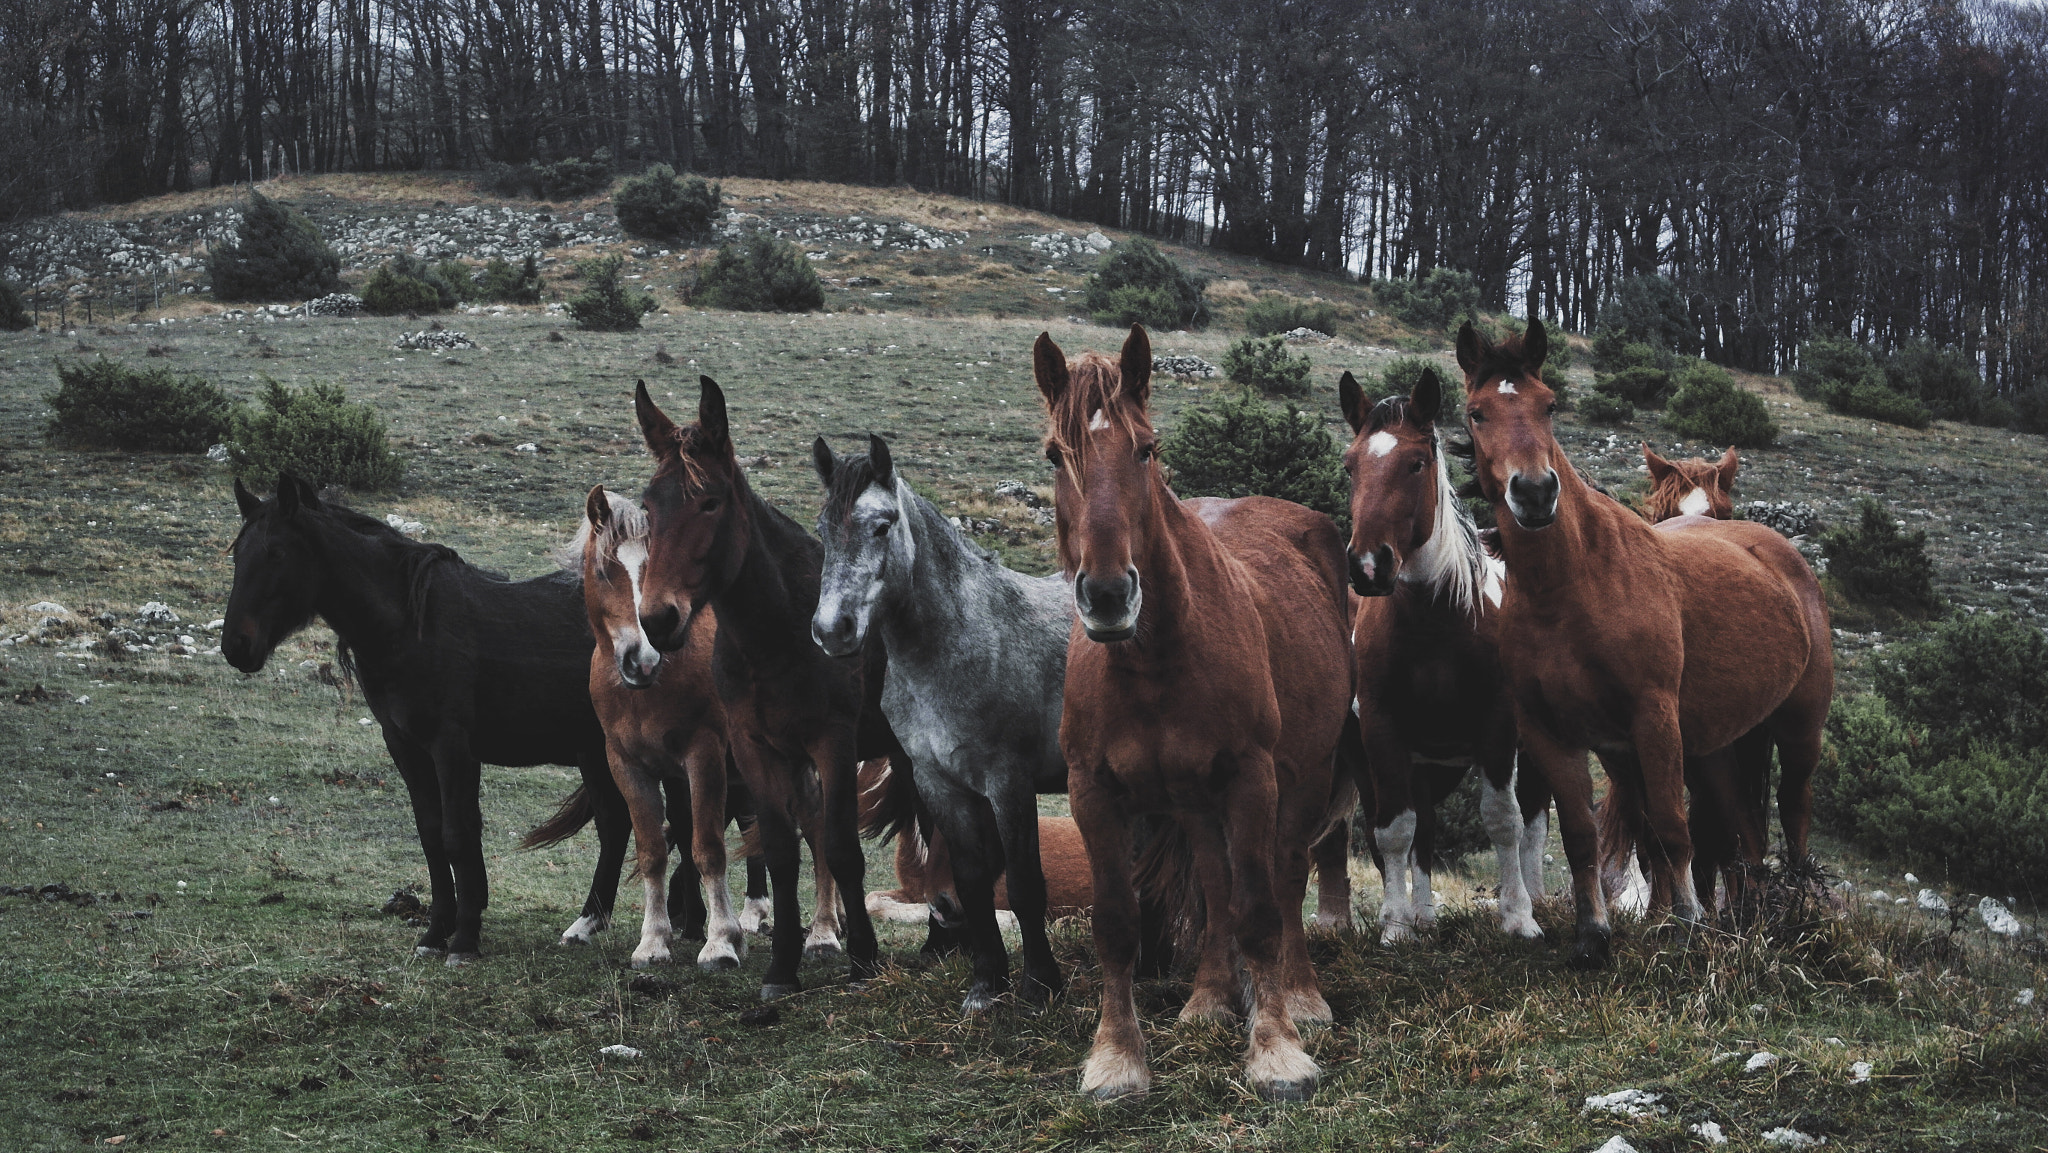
column 1550, row 564
column 1180, row 549
column 365, row 589
column 933, row 592
column 771, row 598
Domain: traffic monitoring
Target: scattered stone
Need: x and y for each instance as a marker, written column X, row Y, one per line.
column 1760, row 1061
column 529, row 446
column 1306, row 336
column 408, row 527
column 1999, row 919
column 218, row 454
column 1932, row 902
column 156, row 613
column 1616, row 1144
column 2023, row 998
column 1710, row 1132
column 1911, row 879
column 1879, row 896
column 428, row 339
column 1189, row 366
column 1630, row 1103
column 335, row 304
column 48, row 608
column 1021, row 493
column 862, row 281
column 1786, row 1137
column 1859, row 1072
column 1787, row 517
column 620, row 1052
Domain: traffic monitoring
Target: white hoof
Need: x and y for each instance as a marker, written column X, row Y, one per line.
column 1110, row 1074
column 1523, row 926
column 721, row 954
column 754, row 915
column 1395, row 932
column 1282, row 1073
column 584, row 928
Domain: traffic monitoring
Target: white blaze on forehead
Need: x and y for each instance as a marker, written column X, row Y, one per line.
column 1507, row 388
column 1695, row 503
column 633, row 558
column 1098, row 422
column 1381, row 443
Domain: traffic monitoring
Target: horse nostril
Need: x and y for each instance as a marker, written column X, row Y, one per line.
column 660, row 626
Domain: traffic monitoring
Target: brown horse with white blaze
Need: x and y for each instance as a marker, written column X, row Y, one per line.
column 1690, row 487
column 1646, row 647
column 1208, row 679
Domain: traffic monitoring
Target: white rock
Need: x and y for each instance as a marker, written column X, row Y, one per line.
column 216, row 624
column 1760, row 1061
column 1879, row 895
column 621, row 1052
column 365, row 721
column 1615, row 1144
column 1788, row 1138
column 1932, row 901
column 156, row 613
column 48, row 608
column 1998, row 918
column 1859, row 1072
column 218, row 454
column 275, row 801
column 1911, row 879
column 2023, row 998
column 529, row 446
column 408, row 527
column 1629, row 1103
column 1710, row 1132
column 86, row 700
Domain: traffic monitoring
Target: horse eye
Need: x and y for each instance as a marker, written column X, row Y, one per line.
column 1552, row 410
column 1415, row 466
column 882, row 530
column 1145, row 452
column 1052, row 454
column 710, row 504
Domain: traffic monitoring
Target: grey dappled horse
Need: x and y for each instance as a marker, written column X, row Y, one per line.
column 977, row 663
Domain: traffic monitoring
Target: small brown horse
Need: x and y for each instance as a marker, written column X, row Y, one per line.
column 663, row 721
column 1431, row 699
column 1646, row 647
column 790, row 710
column 1208, row 679
column 1690, row 487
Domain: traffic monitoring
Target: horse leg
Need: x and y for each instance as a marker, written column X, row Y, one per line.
column 1215, row 990
column 686, row 910
column 1796, row 728
column 1532, row 796
column 932, row 864
column 642, row 792
column 1300, row 818
column 739, row 808
column 1502, row 816
column 1660, row 757
column 614, row 824
column 724, row 941
column 1278, row 1068
column 772, row 784
column 1016, row 818
column 964, row 824
column 838, row 768
column 822, row 941
column 1332, row 856
column 416, row 767
column 462, row 829
column 1116, row 1060
column 1433, row 785
column 1394, row 820
column 1571, row 782
column 1712, row 817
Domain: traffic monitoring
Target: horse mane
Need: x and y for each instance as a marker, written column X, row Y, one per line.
column 418, row 563
column 851, row 476
column 627, row 522
column 1502, row 358
column 1094, row 386
column 690, row 441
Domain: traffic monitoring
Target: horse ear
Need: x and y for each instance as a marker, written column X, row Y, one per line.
column 245, row 500
column 1049, row 365
column 1471, row 351
column 1729, row 463
column 821, row 459
column 655, row 425
column 1535, row 348
column 878, row 455
column 287, row 493
column 1351, row 399
column 711, row 410
column 1427, row 401
column 598, row 507
column 309, row 496
column 1659, row 467
column 1135, row 368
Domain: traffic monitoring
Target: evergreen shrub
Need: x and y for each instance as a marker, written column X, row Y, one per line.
column 1138, row 263
column 1875, row 562
column 1441, row 298
column 314, row 433
column 657, row 205
column 1274, row 313
column 1709, row 407
column 606, row 304
column 1841, row 374
column 108, row 405
column 1263, row 363
column 505, row 284
column 13, row 314
column 760, row 274
column 1246, row 447
column 278, row 255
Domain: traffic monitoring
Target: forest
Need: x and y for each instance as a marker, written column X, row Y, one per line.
column 1874, row 168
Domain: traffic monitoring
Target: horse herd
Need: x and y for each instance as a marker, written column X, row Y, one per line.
column 1214, row 683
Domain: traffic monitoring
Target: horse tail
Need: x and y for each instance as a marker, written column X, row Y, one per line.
column 574, row 813
column 1620, row 830
column 889, row 803
column 1171, row 912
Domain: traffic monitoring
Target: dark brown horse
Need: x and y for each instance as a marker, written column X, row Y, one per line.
column 1690, row 487
column 790, row 710
column 1207, row 679
column 1646, row 647
column 1431, row 699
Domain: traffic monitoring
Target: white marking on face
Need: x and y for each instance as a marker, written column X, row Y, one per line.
column 1507, row 388
column 632, row 556
column 1098, row 422
column 1381, row 443
column 1695, row 503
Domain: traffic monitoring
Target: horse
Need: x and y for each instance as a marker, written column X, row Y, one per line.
column 663, row 723
column 1690, row 487
column 1208, row 679
column 793, row 714
column 460, row 667
column 1431, row 700
column 977, row 658
column 1648, row 647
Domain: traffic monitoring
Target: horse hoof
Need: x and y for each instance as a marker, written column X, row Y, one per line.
column 822, row 951
column 978, row 1001
column 429, row 951
column 1288, row 1092
column 650, row 961
column 458, row 960
column 778, row 992
column 717, row 964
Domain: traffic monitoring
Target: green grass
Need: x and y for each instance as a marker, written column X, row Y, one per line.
column 306, row 1020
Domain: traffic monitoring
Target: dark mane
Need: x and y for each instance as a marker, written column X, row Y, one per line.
column 1392, row 410
column 1502, row 360
column 851, row 476
column 1094, row 384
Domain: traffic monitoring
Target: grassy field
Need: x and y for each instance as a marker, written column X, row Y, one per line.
column 231, row 982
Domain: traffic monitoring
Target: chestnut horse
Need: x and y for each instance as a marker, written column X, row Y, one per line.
column 1690, row 487
column 1208, row 679
column 1431, row 699
column 1646, row 647
column 791, row 711
column 663, row 723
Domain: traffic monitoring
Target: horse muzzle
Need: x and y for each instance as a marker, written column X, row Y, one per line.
column 1372, row 575
column 667, row 630
column 1533, row 499
column 838, row 633
column 1109, row 608
column 244, row 653
column 639, row 663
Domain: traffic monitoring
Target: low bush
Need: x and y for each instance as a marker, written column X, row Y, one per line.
column 1139, row 263
column 657, row 205
column 108, row 405
column 278, row 255
column 1643, row 310
column 1947, row 758
column 408, row 284
column 1263, row 362
column 557, row 180
column 606, row 304
column 13, row 315
column 1641, row 374
column 759, row 274
column 2030, row 408
column 1155, row 308
column 1598, row 407
column 1943, row 379
column 1709, row 407
column 1877, row 563
column 1841, row 374
column 505, row 284
column 1441, row 298
column 315, row 434
column 1246, row 447
column 1274, row 312
column 460, row 279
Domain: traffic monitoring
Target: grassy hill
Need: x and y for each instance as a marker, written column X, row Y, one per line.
column 264, row 994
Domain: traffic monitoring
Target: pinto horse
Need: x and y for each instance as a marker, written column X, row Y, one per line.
column 793, row 714
column 1208, row 679
column 1690, row 487
column 1646, row 647
column 460, row 667
column 977, row 657
column 1432, row 702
